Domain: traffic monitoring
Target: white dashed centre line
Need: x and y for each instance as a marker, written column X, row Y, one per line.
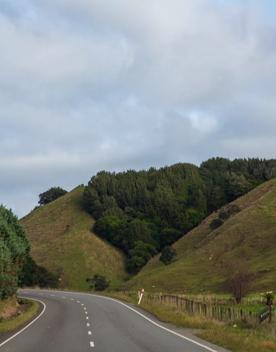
column 92, row 344
column 85, row 312
column 89, row 332
column 87, row 318
column 87, row 324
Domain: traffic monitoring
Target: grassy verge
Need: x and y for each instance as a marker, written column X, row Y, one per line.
column 30, row 310
column 236, row 338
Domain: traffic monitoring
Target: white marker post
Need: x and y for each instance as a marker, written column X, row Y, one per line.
column 140, row 295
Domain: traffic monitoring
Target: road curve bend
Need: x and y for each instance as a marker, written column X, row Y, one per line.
column 80, row 322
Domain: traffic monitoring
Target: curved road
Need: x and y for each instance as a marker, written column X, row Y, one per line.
column 79, row 322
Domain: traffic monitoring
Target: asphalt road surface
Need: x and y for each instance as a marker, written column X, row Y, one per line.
column 79, row 322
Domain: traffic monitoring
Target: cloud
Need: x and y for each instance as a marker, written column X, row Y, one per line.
column 90, row 85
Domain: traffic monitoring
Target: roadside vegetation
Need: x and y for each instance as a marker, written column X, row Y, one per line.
column 237, row 336
column 26, row 310
column 15, row 269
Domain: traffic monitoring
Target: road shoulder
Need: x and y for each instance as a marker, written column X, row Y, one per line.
column 12, row 326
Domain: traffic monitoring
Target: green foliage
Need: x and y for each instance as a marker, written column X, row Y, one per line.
column 141, row 212
column 139, row 255
column 36, row 275
column 226, row 180
column 156, row 207
column 98, row 282
column 51, row 195
column 167, row 255
column 14, row 248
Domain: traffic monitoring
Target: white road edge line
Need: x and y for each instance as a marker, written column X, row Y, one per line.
column 156, row 324
column 28, row 325
column 146, row 318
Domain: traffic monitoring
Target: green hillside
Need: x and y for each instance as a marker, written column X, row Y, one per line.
column 61, row 241
column 249, row 234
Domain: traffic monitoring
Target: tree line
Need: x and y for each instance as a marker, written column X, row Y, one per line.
column 141, row 212
column 17, row 268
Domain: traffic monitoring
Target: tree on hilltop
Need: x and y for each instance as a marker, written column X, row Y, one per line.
column 51, row 195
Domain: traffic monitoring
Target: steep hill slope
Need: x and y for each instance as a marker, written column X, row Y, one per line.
column 61, row 239
column 248, row 234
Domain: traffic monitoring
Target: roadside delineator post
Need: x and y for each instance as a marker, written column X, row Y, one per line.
column 140, row 295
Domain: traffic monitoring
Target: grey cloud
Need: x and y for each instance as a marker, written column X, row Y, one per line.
column 91, row 85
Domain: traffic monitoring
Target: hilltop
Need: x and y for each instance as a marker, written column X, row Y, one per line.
column 62, row 241
column 249, row 234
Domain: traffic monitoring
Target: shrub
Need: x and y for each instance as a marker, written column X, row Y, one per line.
column 216, row 223
column 167, row 255
column 98, row 282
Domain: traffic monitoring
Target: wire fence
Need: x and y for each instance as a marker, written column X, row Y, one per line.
column 220, row 312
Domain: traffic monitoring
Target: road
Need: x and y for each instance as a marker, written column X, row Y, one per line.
column 79, row 322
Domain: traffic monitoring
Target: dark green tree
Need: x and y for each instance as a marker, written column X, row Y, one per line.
column 167, row 255
column 98, row 282
column 14, row 249
column 51, row 195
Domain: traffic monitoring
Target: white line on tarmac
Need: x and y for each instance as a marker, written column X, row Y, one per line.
column 27, row 326
column 87, row 324
column 92, row 344
column 148, row 319
column 154, row 323
column 89, row 332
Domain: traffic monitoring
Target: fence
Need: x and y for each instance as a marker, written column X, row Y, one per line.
column 219, row 312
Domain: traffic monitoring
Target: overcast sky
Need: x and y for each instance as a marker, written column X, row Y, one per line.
column 88, row 85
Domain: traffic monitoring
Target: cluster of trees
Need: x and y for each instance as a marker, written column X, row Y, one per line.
column 17, row 268
column 226, row 180
column 14, row 249
column 144, row 212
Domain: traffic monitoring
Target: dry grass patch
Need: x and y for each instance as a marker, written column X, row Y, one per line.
column 26, row 311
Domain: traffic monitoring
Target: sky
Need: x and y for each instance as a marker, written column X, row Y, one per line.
column 94, row 85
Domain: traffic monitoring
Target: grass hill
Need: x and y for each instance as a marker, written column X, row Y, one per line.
column 248, row 234
column 62, row 242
